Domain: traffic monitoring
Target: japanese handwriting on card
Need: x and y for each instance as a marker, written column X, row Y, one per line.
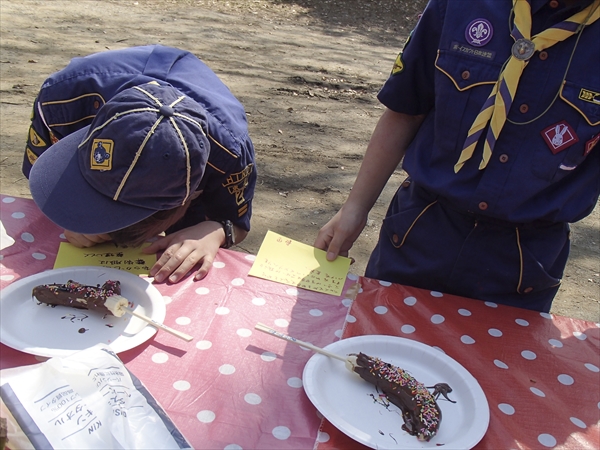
column 105, row 255
column 286, row 261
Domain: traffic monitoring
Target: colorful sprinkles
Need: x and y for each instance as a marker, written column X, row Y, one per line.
column 422, row 416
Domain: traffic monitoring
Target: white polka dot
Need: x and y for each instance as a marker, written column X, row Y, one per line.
column 380, row 309
column 250, row 257
column 222, row 311
column 322, row 436
column 522, row 322
column 338, row 333
column 347, row 302
column 160, row 358
column 183, row 320
column 7, row 277
column 537, row 392
column 8, row 200
column 258, row 301
column 268, row 356
column 500, row 364
column 465, row 339
column 439, row 349
column 203, row 291
column 62, row 236
column 27, row 237
column 304, row 348
column 38, row 256
column 281, row 433
column 237, row 281
column 494, row 332
column 181, row 385
column 232, row 447
column 252, row 398
column 385, row 283
column 565, row 379
column 350, row 318
column 506, row 409
column 226, row 369
column 591, row 367
column 546, row 315
column 555, row 343
column 17, row 215
column 291, row 291
column 577, row 422
column 528, row 354
column 167, row 299
column 316, row 312
column 547, row 440
column 410, row 301
column 206, row 416
column 436, row 294
column 244, row 332
column 437, row 319
column 352, row 277
column 294, row 382
column 218, row 264
column 491, row 304
column 203, row 345
column 579, row 335
column 407, row 329
column 464, row 312
column 281, row 323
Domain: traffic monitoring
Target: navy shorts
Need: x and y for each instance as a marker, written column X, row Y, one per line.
column 426, row 243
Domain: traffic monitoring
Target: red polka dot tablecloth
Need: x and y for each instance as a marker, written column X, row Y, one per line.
column 540, row 373
column 232, row 387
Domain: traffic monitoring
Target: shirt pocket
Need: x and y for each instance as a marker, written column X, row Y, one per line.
column 578, row 107
column 463, row 84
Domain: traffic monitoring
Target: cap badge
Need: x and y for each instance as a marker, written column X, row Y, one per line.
column 479, row 32
column 559, row 136
column 101, row 157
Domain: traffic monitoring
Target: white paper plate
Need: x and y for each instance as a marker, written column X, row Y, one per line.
column 347, row 401
column 43, row 330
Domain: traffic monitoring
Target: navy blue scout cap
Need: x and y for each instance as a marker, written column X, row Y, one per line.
column 145, row 151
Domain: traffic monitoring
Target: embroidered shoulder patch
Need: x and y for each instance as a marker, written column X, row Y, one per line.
column 31, row 157
column 237, row 182
column 35, row 138
column 589, row 145
column 101, row 156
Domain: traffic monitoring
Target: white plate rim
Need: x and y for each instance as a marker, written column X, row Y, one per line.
column 123, row 343
column 353, row 344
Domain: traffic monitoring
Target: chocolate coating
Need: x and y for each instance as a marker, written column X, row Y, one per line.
column 77, row 295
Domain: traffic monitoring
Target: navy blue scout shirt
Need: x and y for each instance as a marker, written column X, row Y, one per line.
column 546, row 163
column 70, row 98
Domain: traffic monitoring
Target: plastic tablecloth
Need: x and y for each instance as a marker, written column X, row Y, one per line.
column 233, row 387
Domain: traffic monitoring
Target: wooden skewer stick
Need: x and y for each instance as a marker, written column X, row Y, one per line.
column 160, row 326
column 350, row 361
column 117, row 305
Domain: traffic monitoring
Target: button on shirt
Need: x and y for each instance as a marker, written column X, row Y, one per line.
column 70, row 98
column 448, row 78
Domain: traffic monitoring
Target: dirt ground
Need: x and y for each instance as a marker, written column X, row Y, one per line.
column 307, row 72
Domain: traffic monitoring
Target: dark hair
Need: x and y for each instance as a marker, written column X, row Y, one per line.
column 138, row 233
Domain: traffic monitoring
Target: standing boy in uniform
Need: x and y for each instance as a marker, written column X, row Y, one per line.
column 495, row 107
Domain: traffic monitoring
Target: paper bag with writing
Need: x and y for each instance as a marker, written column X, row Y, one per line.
column 86, row 400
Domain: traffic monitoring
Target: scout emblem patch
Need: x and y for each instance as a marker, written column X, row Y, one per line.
column 479, row 32
column 101, row 157
column 559, row 136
